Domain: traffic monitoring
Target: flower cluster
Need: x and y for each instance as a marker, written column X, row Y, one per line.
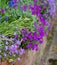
column 50, row 8
column 10, row 46
column 13, row 45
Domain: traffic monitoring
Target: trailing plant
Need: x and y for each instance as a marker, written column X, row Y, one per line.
column 23, row 25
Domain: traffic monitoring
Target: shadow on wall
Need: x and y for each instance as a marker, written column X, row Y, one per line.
column 52, row 61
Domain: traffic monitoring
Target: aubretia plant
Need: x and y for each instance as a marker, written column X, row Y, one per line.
column 23, row 24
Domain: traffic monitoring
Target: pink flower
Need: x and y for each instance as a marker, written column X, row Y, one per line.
column 18, row 59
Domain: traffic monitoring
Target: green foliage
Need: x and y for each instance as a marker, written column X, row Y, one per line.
column 3, row 3
column 7, row 28
column 28, row 2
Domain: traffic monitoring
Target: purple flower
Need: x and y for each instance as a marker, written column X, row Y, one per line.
column 25, row 7
column 35, row 9
column 39, row 37
column 6, row 47
column 13, row 48
column 44, row 21
column 15, row 5
column 35, row 25
column 18, row 42
column 35, row 36
column 51, row 8
column 14, row 1
column 7, row 43
column 4, row 54
column 2, row 36
column 12, row 39
column 17, row 52
column 41, row 31
column 41, row 41
column 29, row 45
column 2, row 10
column 30, row 36
column 22, row 51
column 24, row 38
column 21, row 7
column 40, row 15
column 24, row 30
column 35, row 47
column 16, row 36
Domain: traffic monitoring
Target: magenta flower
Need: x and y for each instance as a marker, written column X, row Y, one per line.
column 43, row 20
column 35, row 36
column 30, row 36
column 29, row 45
column 24, row 31
column 35, row 47
column 39, row 37
column 15, row 5
column 41, row 41
column 24, row 38
column 2, row 10
column 25, row 7
column 35, row 9
column 35, row 25
column 41, row 31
